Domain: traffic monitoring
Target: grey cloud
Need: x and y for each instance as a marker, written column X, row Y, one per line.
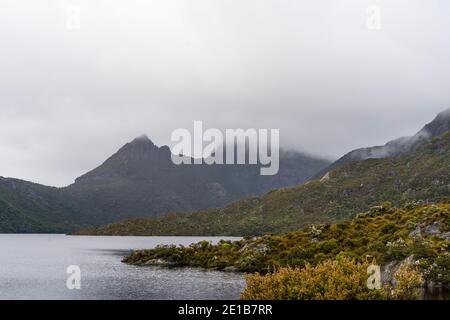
column 70, row 98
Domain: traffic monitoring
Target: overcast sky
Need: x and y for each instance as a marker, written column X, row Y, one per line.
column 71, row 94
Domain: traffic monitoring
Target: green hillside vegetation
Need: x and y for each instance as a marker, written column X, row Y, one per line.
column 417, row 232
column 339, row 195
column 30, row 207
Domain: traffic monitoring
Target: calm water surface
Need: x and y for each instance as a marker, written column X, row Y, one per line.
column 34, row 267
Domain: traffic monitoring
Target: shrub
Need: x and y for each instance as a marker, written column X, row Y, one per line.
column 408, row 281
column 341, row 279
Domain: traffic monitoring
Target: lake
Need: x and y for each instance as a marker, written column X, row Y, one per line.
column 33, row 266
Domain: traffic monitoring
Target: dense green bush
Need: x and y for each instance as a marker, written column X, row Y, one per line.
column 342, row 279
column 408, row 281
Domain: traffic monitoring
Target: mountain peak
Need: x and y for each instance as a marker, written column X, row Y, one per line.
column 142, row 138
column 439, row 125
column 399, row 146
column 444, row 114
column 134, row 159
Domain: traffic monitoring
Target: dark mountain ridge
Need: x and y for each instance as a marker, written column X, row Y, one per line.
column 148, row 183
column 140, row 180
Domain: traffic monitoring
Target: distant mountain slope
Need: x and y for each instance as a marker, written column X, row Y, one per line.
column 30, row 207
column 140, row 180
column 396, row 147
column 423, row 174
